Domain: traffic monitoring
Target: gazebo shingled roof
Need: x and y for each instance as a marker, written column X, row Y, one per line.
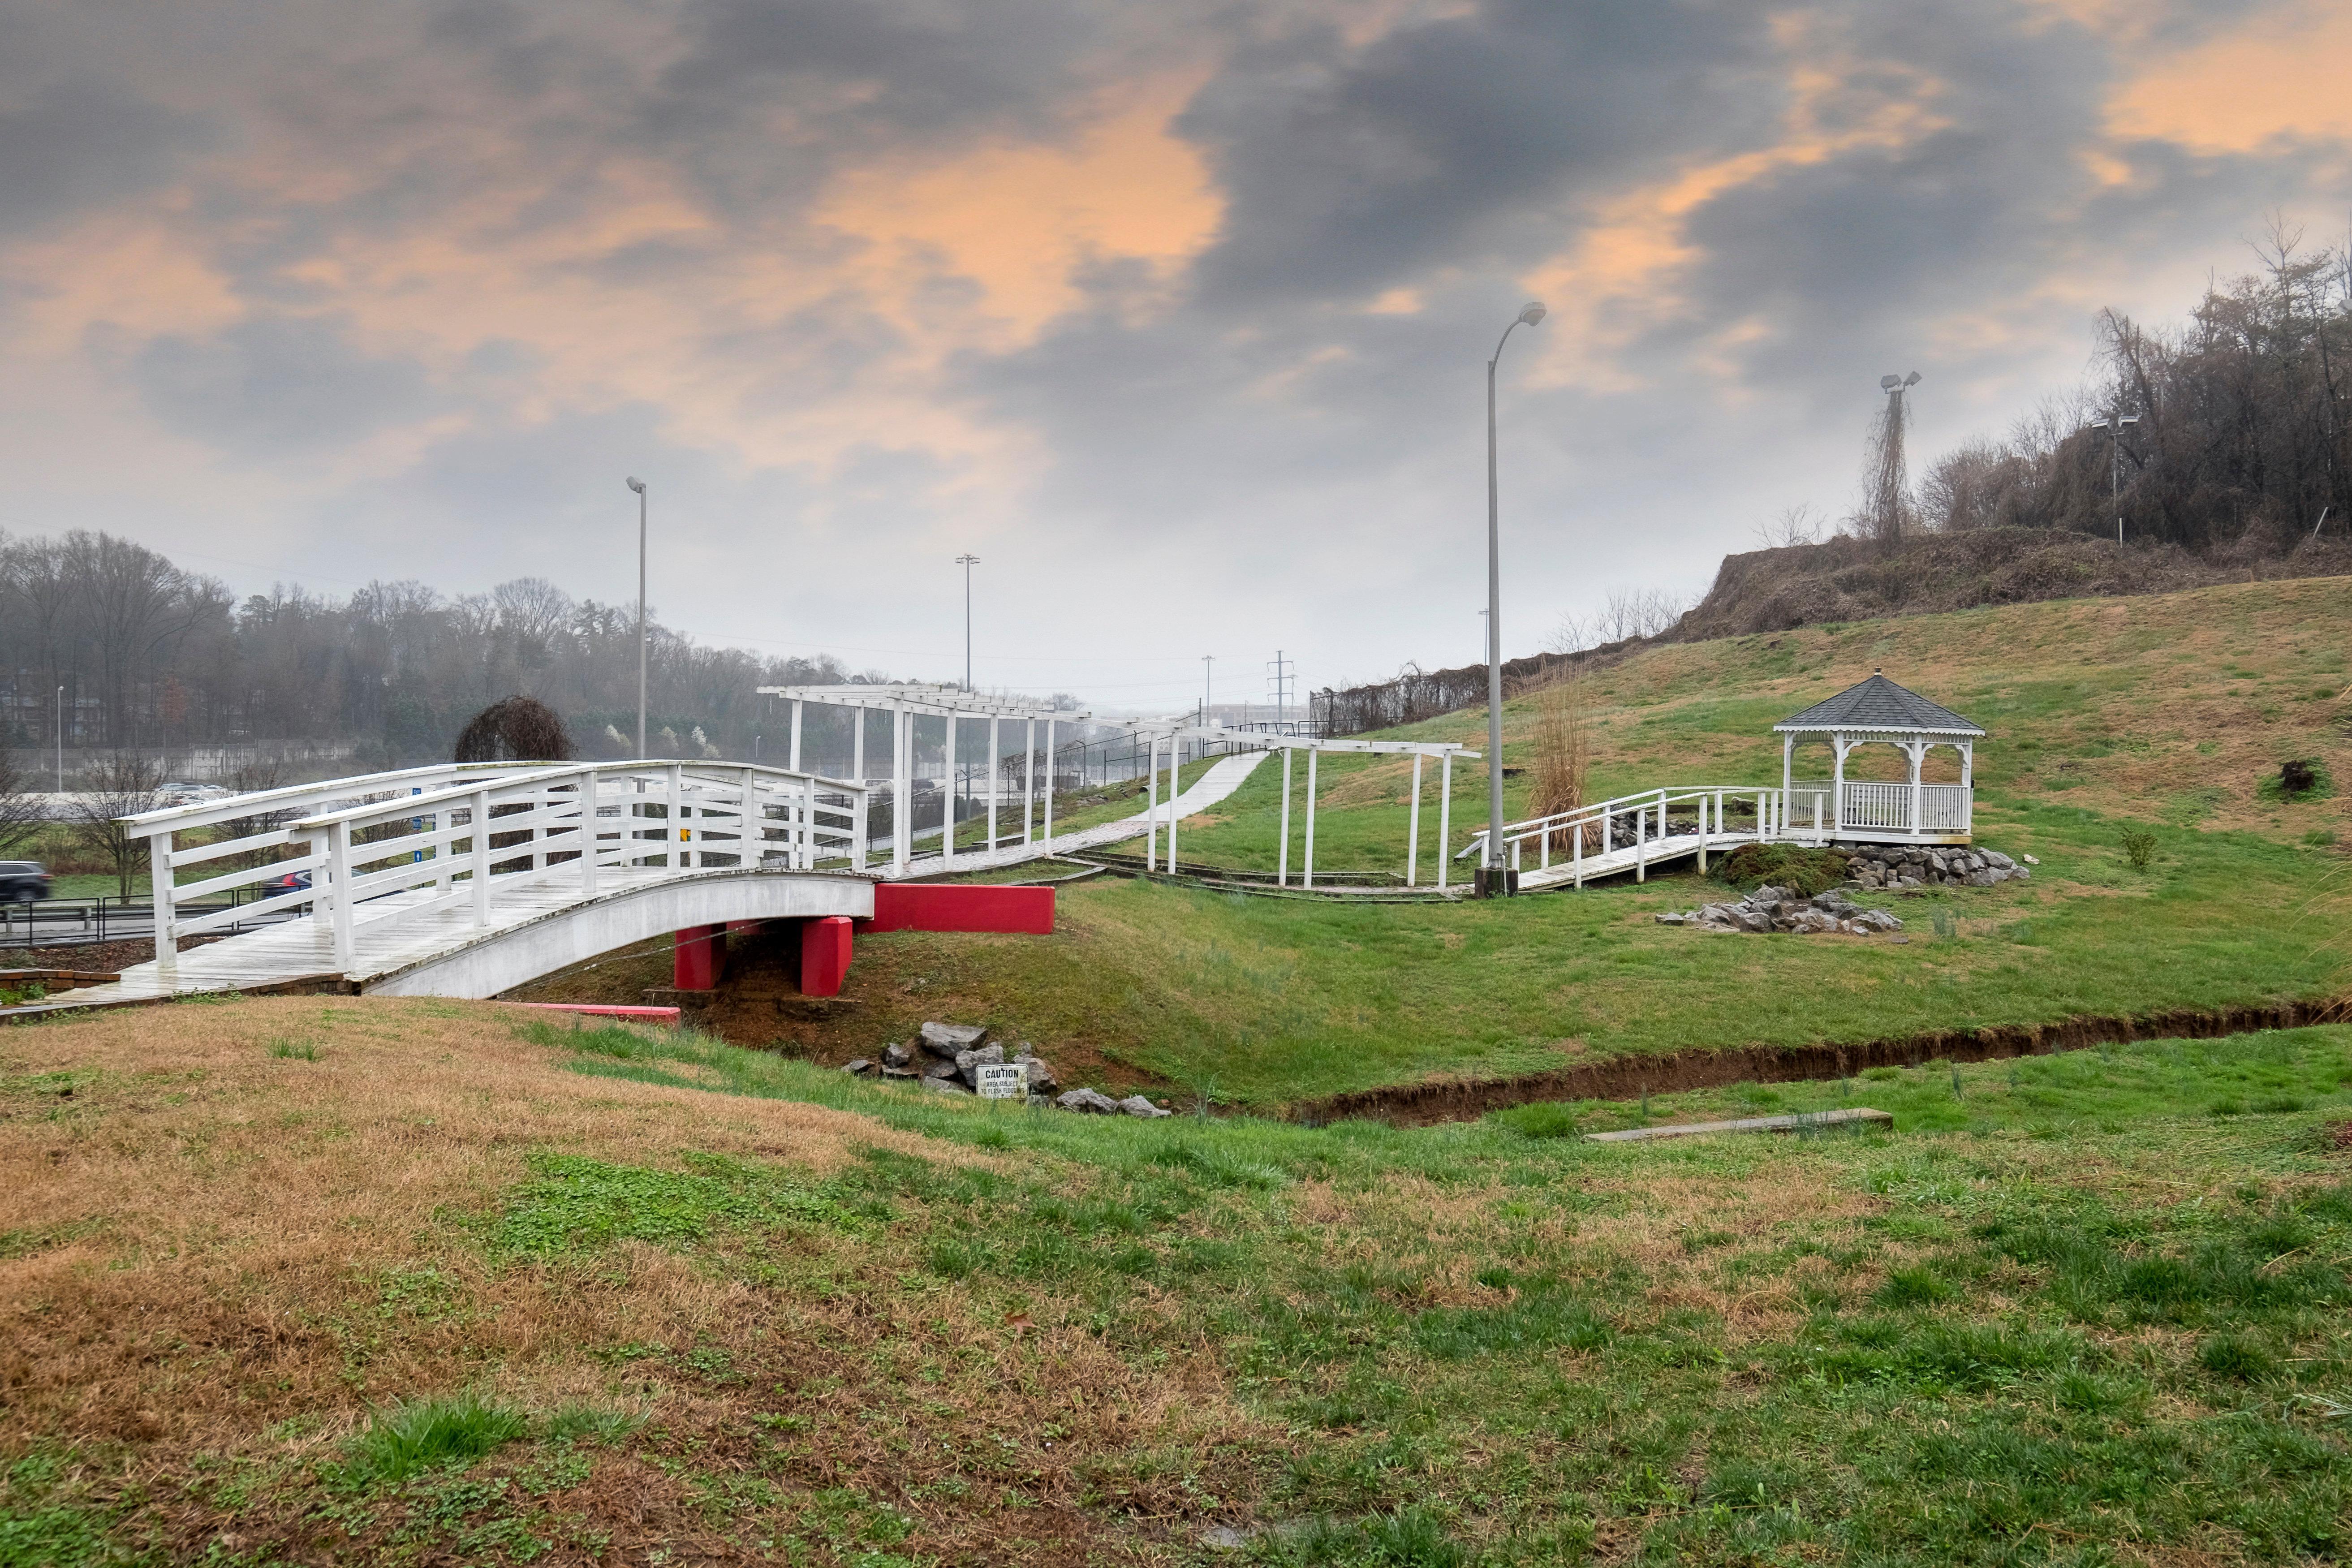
column 1878, row 705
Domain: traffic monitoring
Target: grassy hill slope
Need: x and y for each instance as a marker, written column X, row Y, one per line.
column 386, row 1280
column 2165, row 711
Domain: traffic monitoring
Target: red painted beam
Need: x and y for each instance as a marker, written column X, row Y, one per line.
column 825, row 955
column 899, row 906
column 698, row 957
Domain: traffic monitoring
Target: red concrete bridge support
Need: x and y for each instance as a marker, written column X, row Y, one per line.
column 698, row 960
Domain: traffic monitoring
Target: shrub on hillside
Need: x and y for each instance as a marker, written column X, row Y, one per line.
column 1791, row 866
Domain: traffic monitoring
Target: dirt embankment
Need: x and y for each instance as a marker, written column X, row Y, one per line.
column 1625, row 1078
column 1852, row 579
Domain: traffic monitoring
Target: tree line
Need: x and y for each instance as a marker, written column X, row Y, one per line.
column 107, row 644
column 2238, row 432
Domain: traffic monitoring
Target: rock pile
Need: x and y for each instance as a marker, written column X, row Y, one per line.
column 1919, row 865
column 945, row 1059
column 1769, row 909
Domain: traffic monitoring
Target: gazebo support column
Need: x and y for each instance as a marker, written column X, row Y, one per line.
column 1839, row 744
column 1916, row 751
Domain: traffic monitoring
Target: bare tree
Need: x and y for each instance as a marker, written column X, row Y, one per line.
column 124, row 784
column 21, row 815
column 1798, row 524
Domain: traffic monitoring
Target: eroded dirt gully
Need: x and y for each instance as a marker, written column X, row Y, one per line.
column 1625, row 1078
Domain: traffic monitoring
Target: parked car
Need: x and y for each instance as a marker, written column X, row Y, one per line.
column 292, row 882
column 23, row 882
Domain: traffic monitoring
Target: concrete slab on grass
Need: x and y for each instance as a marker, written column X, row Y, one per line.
column 1801, row 1122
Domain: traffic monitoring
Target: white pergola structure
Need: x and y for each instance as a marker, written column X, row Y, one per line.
column 1879, row 710
column 1172, row 734
column 904, row 704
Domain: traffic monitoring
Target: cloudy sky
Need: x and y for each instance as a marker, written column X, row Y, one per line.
column 1175, row 315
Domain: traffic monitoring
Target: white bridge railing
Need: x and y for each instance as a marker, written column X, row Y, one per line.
column 480, row 836
column 1722, row 813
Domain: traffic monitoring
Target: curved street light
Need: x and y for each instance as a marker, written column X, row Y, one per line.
column 1496, row 881
column 638, row 485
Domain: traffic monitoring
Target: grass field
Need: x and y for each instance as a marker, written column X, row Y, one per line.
column 359, row 1281
column 2162, row 714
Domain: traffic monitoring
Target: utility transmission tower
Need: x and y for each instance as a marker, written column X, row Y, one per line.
column 1281, row 679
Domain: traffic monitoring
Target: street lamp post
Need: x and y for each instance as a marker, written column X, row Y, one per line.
column 967, row 561
column 639, row 486
column 1496, row 881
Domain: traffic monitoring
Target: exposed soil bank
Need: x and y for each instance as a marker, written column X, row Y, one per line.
column 1625, row 1078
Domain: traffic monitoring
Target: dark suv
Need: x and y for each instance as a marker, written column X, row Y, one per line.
column 23, row 882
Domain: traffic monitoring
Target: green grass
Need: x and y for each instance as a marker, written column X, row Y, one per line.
column 426, row 1434
column 2167, row 879
column 1262, row 1001
column 2023, row 1344
column 2068, row 1315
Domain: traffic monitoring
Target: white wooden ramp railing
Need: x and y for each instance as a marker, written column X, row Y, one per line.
column 1568, row 847
column 397, row 846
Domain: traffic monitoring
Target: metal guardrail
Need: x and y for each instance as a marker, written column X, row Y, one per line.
column 74, row 922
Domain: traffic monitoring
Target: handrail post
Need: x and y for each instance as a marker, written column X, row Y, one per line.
column 1576, row 855
column 1444, row 810
column 1642, row 845
column 160, row 878
column 481, row 858
column 339, row 856
column 588, row 782
column 1412, row 828
column 676, row 859
column 755, row 830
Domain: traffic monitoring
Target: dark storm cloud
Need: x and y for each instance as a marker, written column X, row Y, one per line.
column 70, row 145
column 1461, row 140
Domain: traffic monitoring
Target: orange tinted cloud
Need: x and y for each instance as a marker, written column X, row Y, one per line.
column 2282, row 75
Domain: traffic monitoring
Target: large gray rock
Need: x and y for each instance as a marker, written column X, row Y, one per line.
column 905, row 1074
column 965, row 1062
column 1135, row 1105
column 1877, row 920
column 938, row 1067
column 944, row 1086
column 857, row 1067
column 894, row 1055
column 1041, row 1077
column 1091, row 1102
column 947, row 1040
column 1999, row 861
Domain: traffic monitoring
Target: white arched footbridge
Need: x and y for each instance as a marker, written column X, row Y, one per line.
column 469, row 880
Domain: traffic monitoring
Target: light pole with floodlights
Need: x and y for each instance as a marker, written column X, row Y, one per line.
column 1496, row 881
column 967, row 561
column 2113, row 424
column 638, row 485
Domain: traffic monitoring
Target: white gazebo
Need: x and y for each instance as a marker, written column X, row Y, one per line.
column 1879, row 711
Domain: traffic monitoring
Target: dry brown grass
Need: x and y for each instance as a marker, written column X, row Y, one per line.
column 199, row 1236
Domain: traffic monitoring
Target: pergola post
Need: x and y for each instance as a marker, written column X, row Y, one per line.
column 902, row 791
column 1413, row 829
column 1310, row 818
column 796, row 762
column 995, row 772
column 1282, row 856
column 1175, row 783
column 1152, row 804
column 948, row 823
column 1445, row 816
column 860, row 854
column 1049, row 780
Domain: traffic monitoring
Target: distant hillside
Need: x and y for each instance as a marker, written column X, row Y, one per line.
column 1852, row 580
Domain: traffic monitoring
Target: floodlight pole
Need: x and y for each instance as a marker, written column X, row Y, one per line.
column 639, row 486
column 2113, row 424
column 1496, row 880
column 967, row 561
